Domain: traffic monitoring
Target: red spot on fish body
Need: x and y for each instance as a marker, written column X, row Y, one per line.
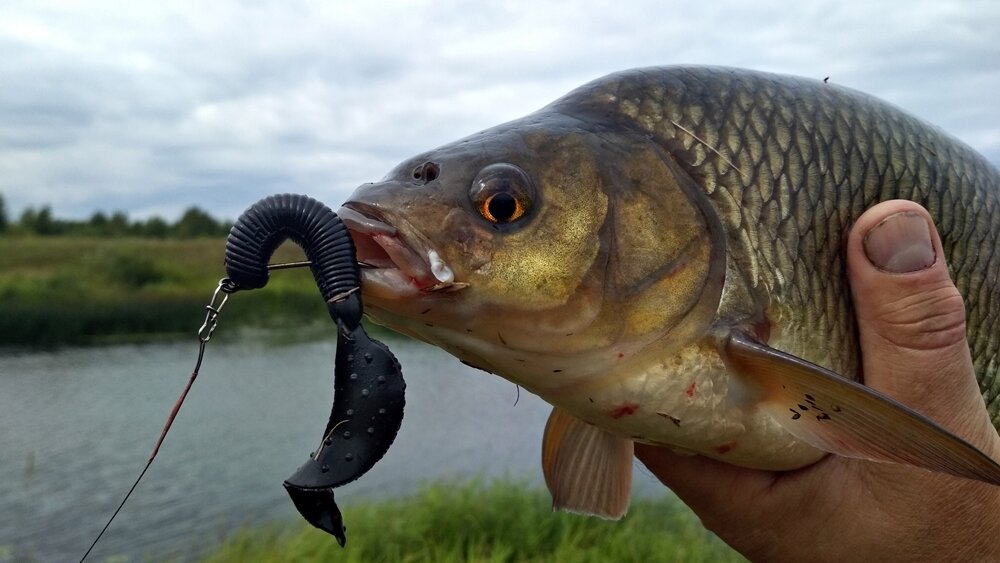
column 621, row 355
column 624, row 409
column 690, row 390
column 725, row 448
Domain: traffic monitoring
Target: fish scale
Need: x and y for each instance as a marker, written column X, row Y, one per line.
column 809, row 158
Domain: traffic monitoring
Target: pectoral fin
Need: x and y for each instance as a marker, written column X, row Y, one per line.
column 587, row 470
column 846, row 418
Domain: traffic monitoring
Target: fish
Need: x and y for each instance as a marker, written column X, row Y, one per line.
column 659, row 254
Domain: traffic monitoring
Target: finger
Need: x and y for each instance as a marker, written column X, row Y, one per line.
column 750, row 509
column 711, row 488
column 911, row 318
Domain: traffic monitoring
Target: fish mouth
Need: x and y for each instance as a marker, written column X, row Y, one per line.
column 394, row 266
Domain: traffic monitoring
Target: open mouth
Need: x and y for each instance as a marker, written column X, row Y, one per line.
column 391, row 266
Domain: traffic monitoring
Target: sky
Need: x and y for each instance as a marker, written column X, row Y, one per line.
column 152, row 107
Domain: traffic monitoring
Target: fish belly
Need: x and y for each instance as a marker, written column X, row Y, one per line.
column 690, row 403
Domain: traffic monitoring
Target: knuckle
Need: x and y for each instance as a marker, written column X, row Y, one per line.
column 928, row 320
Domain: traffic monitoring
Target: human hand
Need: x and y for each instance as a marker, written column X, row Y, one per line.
column 912, row 332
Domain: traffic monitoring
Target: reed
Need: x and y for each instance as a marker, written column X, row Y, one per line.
column 63, row 290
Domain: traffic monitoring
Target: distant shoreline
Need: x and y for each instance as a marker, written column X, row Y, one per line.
column 62, row 290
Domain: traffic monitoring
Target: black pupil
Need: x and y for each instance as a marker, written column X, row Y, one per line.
column 502, row 206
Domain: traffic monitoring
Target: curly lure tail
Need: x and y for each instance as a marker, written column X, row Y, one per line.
column 368, row 382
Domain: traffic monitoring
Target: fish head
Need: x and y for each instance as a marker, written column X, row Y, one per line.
column 547, row 250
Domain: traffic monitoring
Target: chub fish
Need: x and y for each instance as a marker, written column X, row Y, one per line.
column 659, row 255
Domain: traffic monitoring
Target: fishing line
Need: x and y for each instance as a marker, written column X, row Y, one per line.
column 214, row 307
column 156, row 448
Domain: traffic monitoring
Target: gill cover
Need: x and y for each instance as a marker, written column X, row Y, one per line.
column 368, row 382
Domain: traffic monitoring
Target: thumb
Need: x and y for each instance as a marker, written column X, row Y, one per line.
column 911, row 319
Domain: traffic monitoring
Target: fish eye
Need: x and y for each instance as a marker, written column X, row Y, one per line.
column 502, row 193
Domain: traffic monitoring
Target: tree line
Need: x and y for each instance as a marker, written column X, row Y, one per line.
column 194, row 222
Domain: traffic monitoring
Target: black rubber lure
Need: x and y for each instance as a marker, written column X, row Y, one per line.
column 369, row 389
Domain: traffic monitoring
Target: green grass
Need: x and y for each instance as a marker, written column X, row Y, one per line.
column 62, row 290
column 500, row 522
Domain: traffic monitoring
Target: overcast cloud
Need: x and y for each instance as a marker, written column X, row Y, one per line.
column 153, row 107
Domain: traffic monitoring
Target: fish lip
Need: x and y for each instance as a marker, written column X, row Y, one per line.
column 364, row 219
column 394, row 265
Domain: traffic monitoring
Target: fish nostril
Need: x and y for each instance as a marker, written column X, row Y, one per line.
column 431, row 171
column 426, row 172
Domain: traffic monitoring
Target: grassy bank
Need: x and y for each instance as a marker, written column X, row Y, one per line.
column 62, row 290
column 501, row 522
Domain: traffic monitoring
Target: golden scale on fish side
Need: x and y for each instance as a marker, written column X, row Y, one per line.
column 659, row 254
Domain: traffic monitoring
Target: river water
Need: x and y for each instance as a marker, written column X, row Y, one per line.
column 77, row 425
